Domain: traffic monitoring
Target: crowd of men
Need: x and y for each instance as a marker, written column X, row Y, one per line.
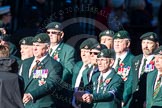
column 108, row 75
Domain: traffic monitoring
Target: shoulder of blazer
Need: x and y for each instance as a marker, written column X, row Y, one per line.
column 28, row 60
column 95, row 76
column 138, row 57
column 65, row 47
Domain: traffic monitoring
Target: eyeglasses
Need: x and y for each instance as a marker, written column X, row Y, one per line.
column 94, row 53
column 53, row 32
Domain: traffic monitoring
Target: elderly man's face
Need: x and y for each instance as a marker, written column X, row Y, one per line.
column 55, row 35
column 148, row 47
column 104, row 64
column 26, row 51
column 158, row 62
column 121, row 45
column 107, row 41
column 40, row 49
column 85, row 55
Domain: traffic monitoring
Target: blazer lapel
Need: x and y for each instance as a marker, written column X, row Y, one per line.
column 40, row 64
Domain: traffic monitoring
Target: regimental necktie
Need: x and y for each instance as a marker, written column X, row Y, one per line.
column 118, row 64
column 143, row 67
column 157, row 87
column 100, row 83
column 34, row 67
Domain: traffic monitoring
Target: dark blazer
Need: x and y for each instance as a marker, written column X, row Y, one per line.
column 157, row 101
column 42, row 95
column 103, row 98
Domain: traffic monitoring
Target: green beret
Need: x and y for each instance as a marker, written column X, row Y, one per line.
column 122, row 34
column 107, row 53
column 41, row 38
column 54, row 25
column 26, row 41
column 98, row 47
column 107, row 33
column 149, row 36
column 88, row 43
column 158, row 51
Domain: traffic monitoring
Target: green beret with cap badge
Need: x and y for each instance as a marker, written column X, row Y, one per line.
column 107, row 33
column 158, row 51
column 107, row 53
column 122, row 34
column 98, row 47
column 54, row 25
column 41, row 38
column 149, row 36
column 88, row 43
column 26, row 41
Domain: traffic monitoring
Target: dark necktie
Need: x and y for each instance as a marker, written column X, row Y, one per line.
column 101, row 83
column 157, row 87
column 117, row 66
column 143, row 66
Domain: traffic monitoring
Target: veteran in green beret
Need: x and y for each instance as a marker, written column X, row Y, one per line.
column 106, row 38
column 42, row 75
column 59, row 50
column 64, row 54
column 26, row 47
column 154, row 81
column 123, row 58
column 139, row 70
column 107, row 84
column 81, row 70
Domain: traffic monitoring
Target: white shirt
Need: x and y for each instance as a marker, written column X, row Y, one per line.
column 94, row 69
column 149, row 58
column 53, row 49
column 77, row 83
column 34, row 63
column 122, row 57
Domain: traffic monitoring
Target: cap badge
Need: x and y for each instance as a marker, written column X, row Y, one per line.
column 86, row 47
column 98, row 46
column 160, row 52
column 23, row 42
column 56, row 26
column 151, row 36
column 101, row 54
column 118, row 35
column 39, row 40
column 107, row 32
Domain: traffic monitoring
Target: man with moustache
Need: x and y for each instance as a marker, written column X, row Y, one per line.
column 154, row 82
column 137, row 76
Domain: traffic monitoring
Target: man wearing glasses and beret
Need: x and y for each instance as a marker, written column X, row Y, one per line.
column 64, row 54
